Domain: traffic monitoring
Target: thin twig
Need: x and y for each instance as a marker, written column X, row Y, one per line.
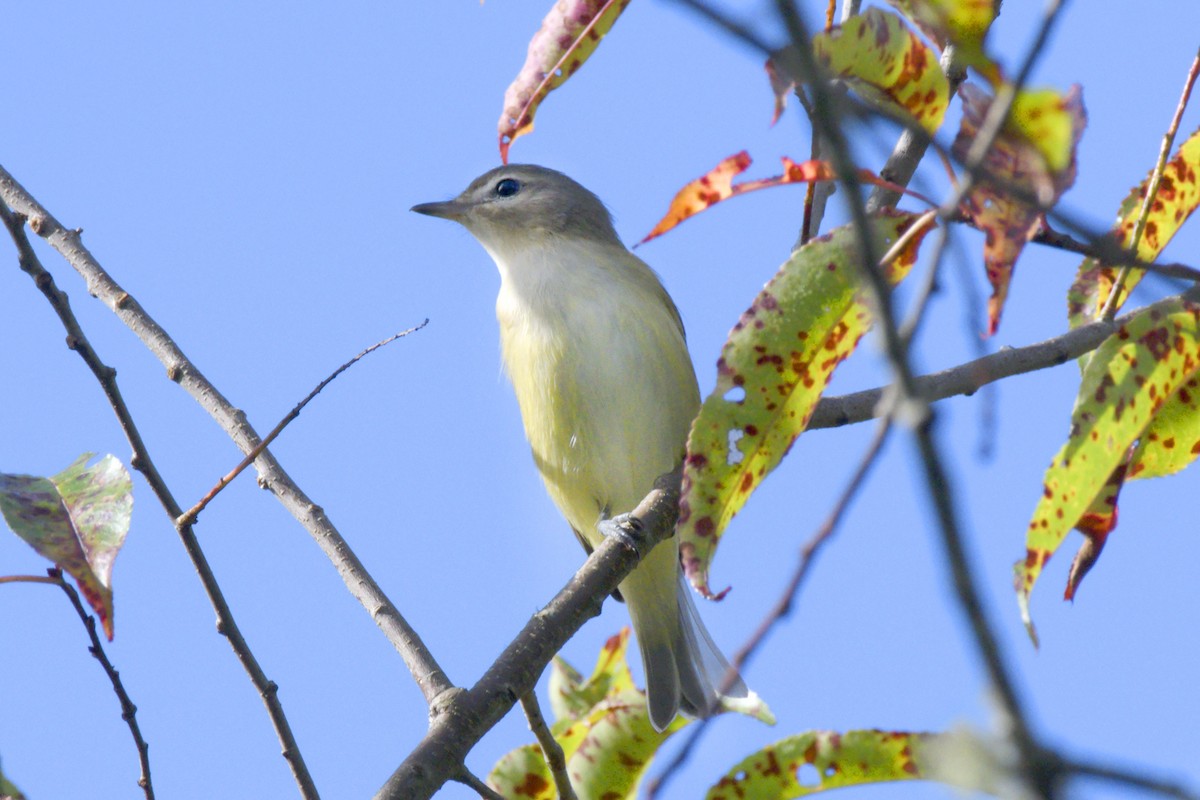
column 141, row 460
column 27, row 579
column 787, row 599
column 551, row 749
column 189, row 517
column 1106, row 772
column 425, row 671
column 467, row 778
column 1164, row 152
column 911, row 408
column 128, row 709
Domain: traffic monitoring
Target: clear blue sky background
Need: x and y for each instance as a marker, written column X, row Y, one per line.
column 246, row 173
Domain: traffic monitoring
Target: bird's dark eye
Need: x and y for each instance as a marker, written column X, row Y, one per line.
column 508, row 187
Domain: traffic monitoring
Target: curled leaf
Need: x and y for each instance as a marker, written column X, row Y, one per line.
column 1034, row 155
column 772, row 370
column 78, row 519
column 569, row 35
column 1129, row 379
column 717, row 185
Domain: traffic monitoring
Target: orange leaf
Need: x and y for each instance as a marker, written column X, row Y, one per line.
column 717, row 185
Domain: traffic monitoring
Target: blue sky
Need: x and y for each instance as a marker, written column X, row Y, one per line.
column 246, row 175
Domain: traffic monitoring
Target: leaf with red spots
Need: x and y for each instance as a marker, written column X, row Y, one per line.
column 817, row 761
column 1096, row 524
column 887, row 65
column 773, row 368
column 569, row 35
column 604, row 730
column 964, row 23
column 1177, row 197
column 1127, row 382
column 77, row 519
column 1034, row 154
column 717, row 185
column 1172, row 439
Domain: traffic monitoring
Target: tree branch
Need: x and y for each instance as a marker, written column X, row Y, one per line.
column 456, row 725
column 425, row 670
column 141, row 461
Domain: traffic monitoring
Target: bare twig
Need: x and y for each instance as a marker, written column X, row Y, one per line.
column 467, row 778
column 429, row 676
column 192, row 513
column 128, row 709
column 1134, row 780
column 551, row 749
column 452, row 733
column 1139, row 227
column 787, row 599
column 141, row 460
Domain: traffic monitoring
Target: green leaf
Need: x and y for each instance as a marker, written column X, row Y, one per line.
column 571, row 697
column 772, row 371
column 816, row 761
column 887, row 64
column 569, row 35
column 78, row 519
column 964, row 23
column 523, row 773
column 1127, row 382
column 1177, row 197
column 1035, row 154
column 1172, row 439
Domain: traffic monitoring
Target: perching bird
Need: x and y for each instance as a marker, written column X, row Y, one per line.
column 595, row 349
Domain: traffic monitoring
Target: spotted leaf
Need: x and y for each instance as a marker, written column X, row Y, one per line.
column 1034, row 154
column 77, row 519
column 717, row 185
column 605, row 734
column 888, row 65
column 1177, row 197
column 817, row 761
column 772, row 370
column 1127, row 382
column 964, row 23
column 569, row 35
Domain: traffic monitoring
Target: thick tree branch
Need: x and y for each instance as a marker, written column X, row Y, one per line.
column 424, row 668
column 456, row 725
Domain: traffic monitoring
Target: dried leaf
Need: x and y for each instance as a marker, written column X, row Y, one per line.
column 1035, row 154
column 78, row 519
column 717, row 185
column 773, row 368
column 1177, row 197
column 1126, row 383
column 817, row 761
column 1096, row 524
column 569, row 35
column 886, row 64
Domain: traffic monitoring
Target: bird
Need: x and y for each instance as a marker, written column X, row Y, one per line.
column 596, row 353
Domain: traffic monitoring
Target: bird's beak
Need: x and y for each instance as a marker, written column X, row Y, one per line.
column 449, row 209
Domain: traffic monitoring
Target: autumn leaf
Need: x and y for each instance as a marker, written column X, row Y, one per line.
column 717, row 185
column 603, row 728
column 1129, row 379
column 77, row 519
column 888, row 65
column 1177, row 197
column 1035, row 155
column 817, row 761
column 569, row 35
column 964, row 23
column 772, row 370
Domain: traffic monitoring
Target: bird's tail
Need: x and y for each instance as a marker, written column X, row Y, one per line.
column 684, row 669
